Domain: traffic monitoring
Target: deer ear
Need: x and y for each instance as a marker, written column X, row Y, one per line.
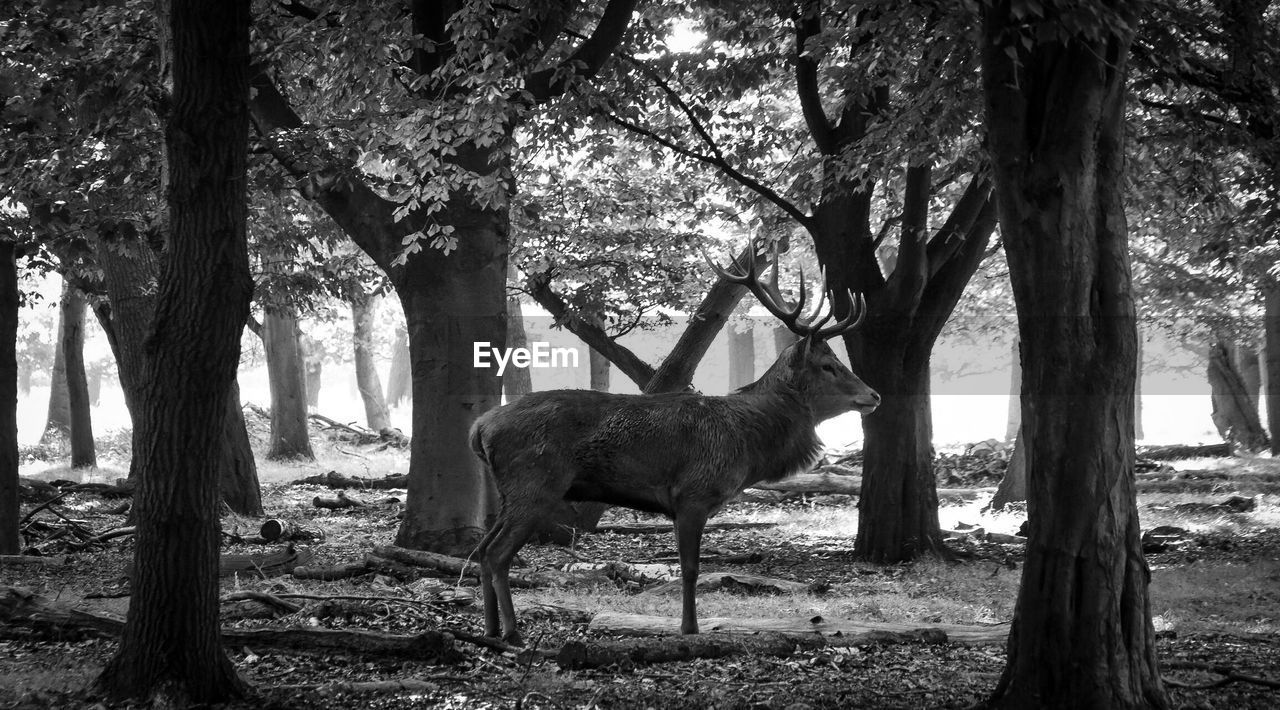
column 802, row 349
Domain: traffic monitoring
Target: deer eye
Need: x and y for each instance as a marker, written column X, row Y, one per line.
column 829, row 369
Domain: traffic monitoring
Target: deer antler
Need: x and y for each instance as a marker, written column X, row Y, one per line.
column 770, row 296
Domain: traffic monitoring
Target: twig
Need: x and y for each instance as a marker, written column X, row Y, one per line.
column 42, row 506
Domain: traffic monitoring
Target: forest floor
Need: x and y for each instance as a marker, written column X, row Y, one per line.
column 1215, row 599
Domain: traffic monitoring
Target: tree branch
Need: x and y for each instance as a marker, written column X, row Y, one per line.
column 723, row 166
column 808, row 23
column 590, row 55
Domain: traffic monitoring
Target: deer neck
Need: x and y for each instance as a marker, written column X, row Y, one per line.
column 781, row 417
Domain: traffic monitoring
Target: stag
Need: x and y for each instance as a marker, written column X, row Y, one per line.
column 682, row 454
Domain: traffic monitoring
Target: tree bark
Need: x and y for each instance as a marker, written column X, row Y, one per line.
column 599, row 365
column 742, row 357
column 399, row 382
column 1247, row 362
column 1082, row 633
column 1014, row 422
column 58, row 420
column 313, row 365
column 363, row 333
column 1271, row 359
column 83, row 454
column 289, row 435
column 10, row 303
column 1233, row 414
column 170, row 652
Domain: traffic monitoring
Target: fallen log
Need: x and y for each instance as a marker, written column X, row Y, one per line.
column 653, row 528
column 643, row 625
column 276, row 530
column 18, row 606
column 1168, row 453
column 333, row 479
column 330, row 574
column 815, row 483
column 628, row 653
column 469, row 569
column 271, row 564
column 750, row 583
column 342, row 500
column 34, row 560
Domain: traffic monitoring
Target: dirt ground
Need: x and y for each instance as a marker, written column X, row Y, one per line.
column 1215, row 600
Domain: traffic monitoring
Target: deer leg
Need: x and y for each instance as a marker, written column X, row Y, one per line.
column 689, row 525
column 510, row 537
column 486, row 580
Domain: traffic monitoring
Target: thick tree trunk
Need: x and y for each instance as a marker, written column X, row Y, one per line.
column 58, row 419
column 1013, row 486
column 399, row 380
column 742, row 357
column 450, row 304
column 1233, row 414
column 898, row 507
column 170, row 653
column 10, row 542
column 1082, row 633
column 289, row 435
column 516, row 381
column 1271, row 359
column 363, row 333
column 83, row 454
column 1014, row 422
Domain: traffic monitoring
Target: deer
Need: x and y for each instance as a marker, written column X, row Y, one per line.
column 683, row 455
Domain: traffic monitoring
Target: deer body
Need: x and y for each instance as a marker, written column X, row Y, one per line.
column 682, row 455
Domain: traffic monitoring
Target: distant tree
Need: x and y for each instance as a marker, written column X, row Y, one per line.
column 10, row 539
column 83, row 454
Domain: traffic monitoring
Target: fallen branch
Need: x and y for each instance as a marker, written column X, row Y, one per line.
column 1167, row 453
column 735, row 581
column 329, row 574
column 465, row 568
column 271, row 564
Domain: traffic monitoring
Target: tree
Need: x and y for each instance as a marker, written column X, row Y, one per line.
column 440, row 239
column 10, row 539
column 58, row 419
column 742, row 356
column 1054, row 83
column 82, row 449
column 282, row 341
column 882, row 112
column 170, row 650
column 363, row 312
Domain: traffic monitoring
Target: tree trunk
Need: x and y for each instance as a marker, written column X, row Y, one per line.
column 1236, row 419
column 1271, row 352
column 742, row 357
column 898, row 507
column 289, row 435
column 170, row 653
column 83, row 454
column 516, row 381
column 1138, row 432
column 238, row 477
column 1247, row 362
column 399, row 381
column 450, row 304
column 313, row 364
column 58, row 420
column 1013, row 486
column 10, row 303
column 363, row 312
column 131, row 272
column 1014, row 422
column 599, row 370
column 1082, row 633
